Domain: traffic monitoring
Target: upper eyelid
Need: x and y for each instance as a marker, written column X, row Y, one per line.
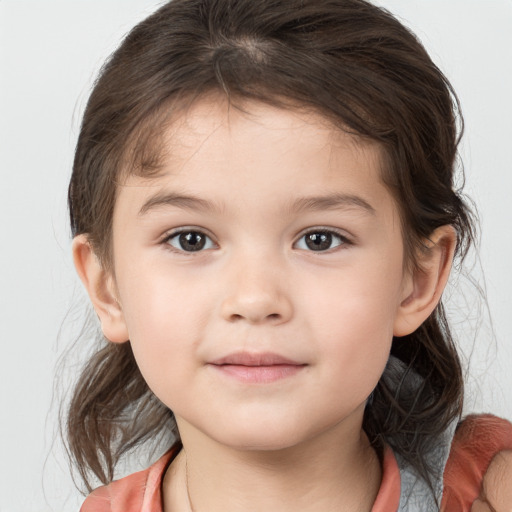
column 186, row 229
column 316, row 229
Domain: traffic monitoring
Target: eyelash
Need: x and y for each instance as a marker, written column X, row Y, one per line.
column 184, row 231
column 333, row 233
column 329, row 232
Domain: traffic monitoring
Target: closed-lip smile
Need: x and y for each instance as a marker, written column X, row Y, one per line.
column 256, row 368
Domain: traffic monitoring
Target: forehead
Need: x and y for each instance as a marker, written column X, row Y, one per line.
column 253, row 151
column 181, row 133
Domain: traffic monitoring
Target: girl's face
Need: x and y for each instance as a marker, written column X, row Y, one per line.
column 260, row 275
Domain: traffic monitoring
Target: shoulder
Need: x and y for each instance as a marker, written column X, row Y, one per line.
column 138, row 492
column 479, row 441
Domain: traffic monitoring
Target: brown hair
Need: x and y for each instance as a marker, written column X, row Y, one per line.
column 346, row 59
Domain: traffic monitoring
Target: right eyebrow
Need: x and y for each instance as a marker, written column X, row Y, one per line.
column 188, row 202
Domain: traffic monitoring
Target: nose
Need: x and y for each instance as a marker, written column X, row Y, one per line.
column 257, row 292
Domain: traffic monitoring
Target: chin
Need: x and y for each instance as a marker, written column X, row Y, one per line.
column 262, row 436
column 261, row 443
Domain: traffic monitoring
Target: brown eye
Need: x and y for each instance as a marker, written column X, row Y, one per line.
column 190, row 241
column 321, row 240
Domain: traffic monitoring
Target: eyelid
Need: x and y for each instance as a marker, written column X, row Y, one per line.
column 172, row 233
column 346, row 239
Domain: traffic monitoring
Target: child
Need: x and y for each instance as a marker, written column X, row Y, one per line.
column 264, row 217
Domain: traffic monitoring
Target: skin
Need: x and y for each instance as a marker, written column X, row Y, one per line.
column 257, row 287
column 496, row 493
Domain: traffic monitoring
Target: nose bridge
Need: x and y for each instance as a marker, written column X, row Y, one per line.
column 256, row 289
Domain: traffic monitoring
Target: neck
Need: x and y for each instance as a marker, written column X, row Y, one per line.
column 206, row 477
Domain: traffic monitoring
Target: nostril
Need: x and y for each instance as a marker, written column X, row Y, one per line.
column 235, row 317
column 256, row 309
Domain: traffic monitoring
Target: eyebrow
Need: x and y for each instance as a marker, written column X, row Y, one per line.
column 302, row 204
column 179, row 200
column 331, row 202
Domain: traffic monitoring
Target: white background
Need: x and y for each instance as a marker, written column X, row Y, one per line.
column 49, row 54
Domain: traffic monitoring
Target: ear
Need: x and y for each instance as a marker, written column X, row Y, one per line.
column 424, row 286
column 101, row 289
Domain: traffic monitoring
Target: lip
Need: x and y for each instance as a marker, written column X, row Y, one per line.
column 256, row 368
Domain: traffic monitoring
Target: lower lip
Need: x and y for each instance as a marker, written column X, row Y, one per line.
column 258, row 374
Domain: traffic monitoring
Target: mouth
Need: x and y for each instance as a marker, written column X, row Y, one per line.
column 256, row 368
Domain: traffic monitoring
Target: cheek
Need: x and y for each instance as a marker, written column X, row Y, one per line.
column 357, row 347
column 351, row 319
column 165, row 319
column 362, row 299
column 159, row 302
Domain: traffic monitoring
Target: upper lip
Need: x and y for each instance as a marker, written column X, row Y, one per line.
column 255, row 359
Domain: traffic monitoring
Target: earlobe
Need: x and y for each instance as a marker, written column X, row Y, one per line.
column 424, row 286
column 101, row 289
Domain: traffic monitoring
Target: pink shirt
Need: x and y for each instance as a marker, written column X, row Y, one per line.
column 476, row 442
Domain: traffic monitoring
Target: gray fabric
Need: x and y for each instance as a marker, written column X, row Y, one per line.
column 415, row 495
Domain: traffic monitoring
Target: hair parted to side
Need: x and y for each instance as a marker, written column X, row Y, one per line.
column 350, row 61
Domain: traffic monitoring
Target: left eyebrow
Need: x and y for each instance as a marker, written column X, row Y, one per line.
column 187, row 202
column 331, row 202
